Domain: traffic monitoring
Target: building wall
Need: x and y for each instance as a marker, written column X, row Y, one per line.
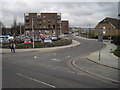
column 109, row 29
column 44, row 23
column 65, row 26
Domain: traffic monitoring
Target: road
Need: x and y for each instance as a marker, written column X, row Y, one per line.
column 50, row 69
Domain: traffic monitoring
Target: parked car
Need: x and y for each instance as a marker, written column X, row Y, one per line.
column 47, row 40
column 1, row 40
column 27, row 41
column 52, row 37
column 5, row 40
column 38, row 39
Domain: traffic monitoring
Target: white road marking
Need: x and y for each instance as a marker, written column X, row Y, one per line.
column 53, row 53
column 55, row 60
column 67, row 56
column 35, row 56
column 36, row 80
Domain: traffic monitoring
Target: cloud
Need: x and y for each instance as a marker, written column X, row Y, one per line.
column 78, row 13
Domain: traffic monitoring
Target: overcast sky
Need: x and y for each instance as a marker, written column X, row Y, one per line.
column 78, row 13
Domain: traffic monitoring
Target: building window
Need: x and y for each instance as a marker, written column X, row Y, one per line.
column 44, row 16
column 53, row 21
column 44, row 26
column 38, row 16
column 58, row 17
column 39, row 25
column 26, row 17
column 58, row 26
column 44, row 21
column 48, row 26
column 38, row 21
column 53, row 26
column 49, row 16
column 32, row 16
column 48, row 21
column 27, row 20
column 58, row 21
column 52, row 31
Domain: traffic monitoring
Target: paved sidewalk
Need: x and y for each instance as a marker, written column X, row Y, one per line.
column 106, row 58
column 96, row 69
column 74, row 43
column 106, row 67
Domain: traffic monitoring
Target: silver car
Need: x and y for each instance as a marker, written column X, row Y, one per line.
column 47, row 40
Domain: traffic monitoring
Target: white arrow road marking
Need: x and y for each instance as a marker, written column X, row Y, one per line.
column 36, row 80
column 35, row 56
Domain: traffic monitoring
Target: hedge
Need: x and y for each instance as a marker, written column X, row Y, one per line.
column 60, row 42
column 116, row 40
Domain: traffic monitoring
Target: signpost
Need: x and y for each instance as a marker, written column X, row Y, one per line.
column 101, row 31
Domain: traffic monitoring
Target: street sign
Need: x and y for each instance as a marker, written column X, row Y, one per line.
column 100, row 31
column 100, row 34
column 100, row 37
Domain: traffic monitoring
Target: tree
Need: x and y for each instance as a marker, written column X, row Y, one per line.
column 2, row 28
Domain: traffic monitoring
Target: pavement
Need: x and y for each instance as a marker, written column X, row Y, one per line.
column 106, row 58
column 74, row 43
column 106, row 68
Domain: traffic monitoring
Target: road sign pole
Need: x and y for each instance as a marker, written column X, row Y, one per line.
column 100, row 39
column 99, row 54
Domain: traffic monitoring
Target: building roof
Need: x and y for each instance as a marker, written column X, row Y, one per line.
column 114, row 22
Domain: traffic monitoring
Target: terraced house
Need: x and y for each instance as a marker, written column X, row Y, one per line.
column 111, row 27
column 43, row 23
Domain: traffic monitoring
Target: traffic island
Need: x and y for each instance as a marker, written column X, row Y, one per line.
column 73, row 44
column 60, row 42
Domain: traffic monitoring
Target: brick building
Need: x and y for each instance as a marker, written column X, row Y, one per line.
column 111, row 27
column 65, row 26
column 43, row 23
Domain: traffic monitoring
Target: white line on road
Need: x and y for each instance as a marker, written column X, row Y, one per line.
column 36, row 80
column 53, row 53
column 67, row 57
column 55, row 60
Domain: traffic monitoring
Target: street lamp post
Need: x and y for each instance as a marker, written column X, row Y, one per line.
column 20, row 30
column 89, row 30
column 110, row 33
column 33, row 32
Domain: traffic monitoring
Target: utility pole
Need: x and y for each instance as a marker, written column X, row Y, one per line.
column 89, row 30
column 33, row 32
column 20, row 30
